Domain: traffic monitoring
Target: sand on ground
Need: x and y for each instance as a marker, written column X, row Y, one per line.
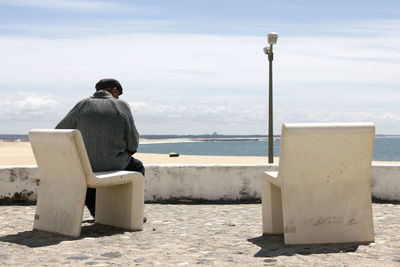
column 20, row 154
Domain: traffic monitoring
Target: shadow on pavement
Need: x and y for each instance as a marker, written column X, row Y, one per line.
column 35, row 238
column 274, row 245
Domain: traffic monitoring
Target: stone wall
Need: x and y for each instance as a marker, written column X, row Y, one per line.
column 204, row 182
column 224, row 183
column 385, row 182
column 19, row 184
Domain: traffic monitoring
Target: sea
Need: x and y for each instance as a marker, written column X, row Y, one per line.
column 386, row 148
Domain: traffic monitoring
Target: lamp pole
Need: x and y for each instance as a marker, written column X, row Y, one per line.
column 272, row 38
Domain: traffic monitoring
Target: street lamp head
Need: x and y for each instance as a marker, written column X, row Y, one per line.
column 272, row 38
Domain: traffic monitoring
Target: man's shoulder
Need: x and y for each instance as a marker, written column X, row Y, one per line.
column 122, row 103
column 110, row 102
column 123, row 108
column 80, row 104
column 85, row 100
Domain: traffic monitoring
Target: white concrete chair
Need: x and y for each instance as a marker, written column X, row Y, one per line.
column 321, row 192
column 65, row 173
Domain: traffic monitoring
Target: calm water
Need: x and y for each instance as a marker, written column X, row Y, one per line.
column 385, row 149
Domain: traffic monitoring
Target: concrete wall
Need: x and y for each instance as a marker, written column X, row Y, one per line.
column 19, row 184
column 195, row 182
column 204, row 182
column 385, row 181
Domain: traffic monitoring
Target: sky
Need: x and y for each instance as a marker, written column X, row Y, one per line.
column 197, row 67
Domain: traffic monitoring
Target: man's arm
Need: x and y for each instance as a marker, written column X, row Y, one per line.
column 131, row 134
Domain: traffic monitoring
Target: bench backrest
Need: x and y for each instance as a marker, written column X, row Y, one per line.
column 325, row 170
column 61, row 154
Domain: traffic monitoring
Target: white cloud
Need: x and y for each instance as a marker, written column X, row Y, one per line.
column 23, row 105
column 187, row 83
column 341, row 60
column 184, row 61
column 233, row 115
column 147, row 61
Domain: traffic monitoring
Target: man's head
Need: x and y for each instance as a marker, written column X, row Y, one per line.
column 110, row 85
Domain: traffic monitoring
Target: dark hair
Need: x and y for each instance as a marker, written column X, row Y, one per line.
column 108, row 85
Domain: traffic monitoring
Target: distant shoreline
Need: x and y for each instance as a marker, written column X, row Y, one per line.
column 178, row 140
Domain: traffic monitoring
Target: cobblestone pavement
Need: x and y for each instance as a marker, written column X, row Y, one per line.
column 178, row 235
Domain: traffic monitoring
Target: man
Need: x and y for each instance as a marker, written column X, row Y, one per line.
column 108, row 131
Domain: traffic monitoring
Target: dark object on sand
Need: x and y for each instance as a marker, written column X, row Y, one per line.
column 173, row 154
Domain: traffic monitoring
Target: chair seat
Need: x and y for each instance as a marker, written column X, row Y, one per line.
column 273, row 178
column 114, row 178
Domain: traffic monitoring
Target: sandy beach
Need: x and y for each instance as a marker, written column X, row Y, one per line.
column 20, row 153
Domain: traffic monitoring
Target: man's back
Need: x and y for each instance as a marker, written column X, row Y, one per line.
column 107, row 128
column 108, row 131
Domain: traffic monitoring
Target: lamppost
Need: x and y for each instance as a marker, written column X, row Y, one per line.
column 272, row 38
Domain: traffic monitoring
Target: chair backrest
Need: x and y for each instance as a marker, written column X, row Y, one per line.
column 326, row 168
column 61, row 153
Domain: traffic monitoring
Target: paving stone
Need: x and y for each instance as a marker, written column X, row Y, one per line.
column 188, row 235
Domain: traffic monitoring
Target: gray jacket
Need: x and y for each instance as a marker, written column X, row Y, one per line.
column 107, row 128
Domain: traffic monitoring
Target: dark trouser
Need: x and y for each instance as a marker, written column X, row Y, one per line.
column 90, row 202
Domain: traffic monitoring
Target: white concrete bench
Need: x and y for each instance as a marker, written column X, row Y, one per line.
column 321, row 192
column 65, row 173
